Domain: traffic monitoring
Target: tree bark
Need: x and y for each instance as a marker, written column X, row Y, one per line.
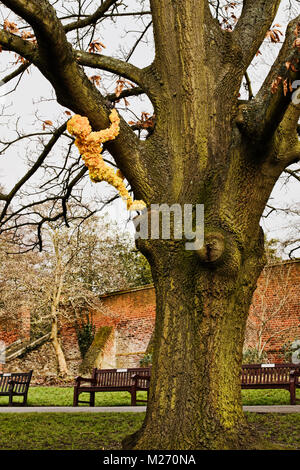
column 195, row 399
column 60, row 357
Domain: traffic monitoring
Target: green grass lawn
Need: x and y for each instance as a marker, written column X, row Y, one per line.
column 86, row 431
column 105, row 431
column 59, row 396
column 65, row 431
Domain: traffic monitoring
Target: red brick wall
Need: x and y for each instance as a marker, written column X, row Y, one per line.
column 9, row 336
column 132, row 314
column 276, row 301
column 19, row 328
column 133, row 317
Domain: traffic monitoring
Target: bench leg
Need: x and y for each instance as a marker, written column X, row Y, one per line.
column 92, row 398
column 133, row 397
column 293, row 394
column 75, row 397
column 10, row 401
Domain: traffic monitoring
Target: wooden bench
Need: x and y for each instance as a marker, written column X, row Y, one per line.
column 113, row 380
column 15, row 385
column 272, row 376
column 253, row 376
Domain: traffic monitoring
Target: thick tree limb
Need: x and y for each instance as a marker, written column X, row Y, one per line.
column 256, row 19
column 11, row 42
column 286, row 136
column 110, row 64
column 261, row 117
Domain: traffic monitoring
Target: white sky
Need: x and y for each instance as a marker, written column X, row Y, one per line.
column 34, row 87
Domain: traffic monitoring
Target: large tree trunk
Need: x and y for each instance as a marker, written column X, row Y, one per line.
column 195, row 399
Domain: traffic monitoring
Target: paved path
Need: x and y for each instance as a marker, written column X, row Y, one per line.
column 130, row 409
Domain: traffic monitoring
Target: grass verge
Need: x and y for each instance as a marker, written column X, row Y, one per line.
column 279, row 431
column 64, row 431
column 105, row 431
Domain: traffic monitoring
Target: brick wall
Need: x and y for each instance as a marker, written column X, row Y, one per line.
column 131, row 313
column 17, row 328
column 276, row 303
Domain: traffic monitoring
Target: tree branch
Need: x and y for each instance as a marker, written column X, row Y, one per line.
column 256, row 19
column 16, row 72
column 286, row 136
column 261, row 117
column 11, row 42
column 110, row 64
column 293, row 173
column 127, row 93
column 8, row 198
column 91, row 19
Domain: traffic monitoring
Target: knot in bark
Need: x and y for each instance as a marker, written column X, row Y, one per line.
column 213, row 248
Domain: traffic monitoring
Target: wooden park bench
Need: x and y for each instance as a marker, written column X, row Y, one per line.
column 113, row 380
column 253, row 376
column 272, row 376
column 15, row 385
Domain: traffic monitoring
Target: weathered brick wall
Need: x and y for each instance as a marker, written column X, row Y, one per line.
column 276, row 302
column 9, row 336
column 132, row 315
column 18, row 328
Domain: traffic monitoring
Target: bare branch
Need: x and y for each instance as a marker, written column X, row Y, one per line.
column 12, row 42
column 110, row 64
column 8, row 198
column 292, row 173
column 91, row 19
column 127, row 93
column 20, row 70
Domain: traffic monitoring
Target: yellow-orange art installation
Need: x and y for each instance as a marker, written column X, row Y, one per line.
column 89, row 144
